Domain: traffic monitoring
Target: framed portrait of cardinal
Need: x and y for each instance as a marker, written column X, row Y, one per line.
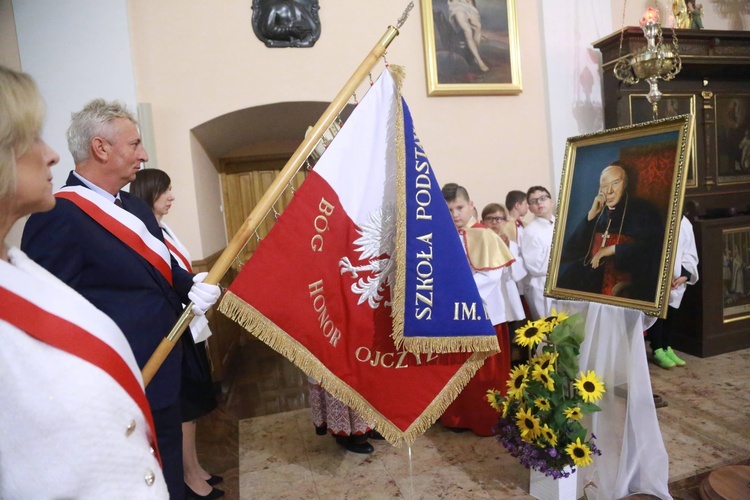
column 618, row 217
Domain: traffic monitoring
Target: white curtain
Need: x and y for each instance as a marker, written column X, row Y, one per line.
column 634, row 459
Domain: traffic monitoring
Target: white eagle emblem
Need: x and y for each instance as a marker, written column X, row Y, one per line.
column 375, row 245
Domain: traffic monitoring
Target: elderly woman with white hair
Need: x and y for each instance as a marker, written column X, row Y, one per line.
column 75, row 422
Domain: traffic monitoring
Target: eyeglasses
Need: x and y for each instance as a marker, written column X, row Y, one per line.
column 495, row 219
column 536, row 201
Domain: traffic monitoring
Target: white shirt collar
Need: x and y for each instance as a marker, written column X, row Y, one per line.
column 96, row 189
column 549, row 221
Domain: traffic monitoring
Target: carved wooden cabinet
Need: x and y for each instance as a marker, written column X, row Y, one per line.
column 714, row 84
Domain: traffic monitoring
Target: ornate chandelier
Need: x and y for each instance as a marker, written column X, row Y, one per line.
column 655, row 61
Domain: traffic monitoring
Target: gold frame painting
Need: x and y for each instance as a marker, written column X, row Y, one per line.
column 471, row 47
column 736, row 243
column 670, row 105
column 732, row 138
column 618, row 215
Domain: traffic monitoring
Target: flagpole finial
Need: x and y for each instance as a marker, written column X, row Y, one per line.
column 405, row 15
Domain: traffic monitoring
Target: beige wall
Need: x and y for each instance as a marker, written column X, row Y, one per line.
column 194, row 63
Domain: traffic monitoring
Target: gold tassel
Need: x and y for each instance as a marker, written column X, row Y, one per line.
column 398, row 73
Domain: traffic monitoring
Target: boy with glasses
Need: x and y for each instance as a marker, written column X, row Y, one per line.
column 495, row 217
column 536, row 243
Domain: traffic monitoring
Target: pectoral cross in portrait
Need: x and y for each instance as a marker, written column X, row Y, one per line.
column 606, row 234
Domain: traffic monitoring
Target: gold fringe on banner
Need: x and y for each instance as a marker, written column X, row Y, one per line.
column 482, row 343
column 398, row 73
column 398, row 308
column 267, row 331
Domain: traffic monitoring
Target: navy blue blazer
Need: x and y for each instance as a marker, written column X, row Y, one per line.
column 117, row 280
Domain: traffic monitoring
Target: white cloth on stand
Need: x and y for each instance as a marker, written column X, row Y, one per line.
column 634, row 459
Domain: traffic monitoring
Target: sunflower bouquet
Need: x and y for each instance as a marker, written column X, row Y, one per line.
column 540, row 416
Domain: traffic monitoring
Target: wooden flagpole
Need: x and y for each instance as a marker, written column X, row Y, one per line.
column 274, row 191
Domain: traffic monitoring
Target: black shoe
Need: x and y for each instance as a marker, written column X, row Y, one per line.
column 376, row 435
column 353, row 446
column 214, row 480
column 191, row 495
column 322, row 430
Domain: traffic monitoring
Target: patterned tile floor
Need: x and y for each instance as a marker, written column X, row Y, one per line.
column 262, row 440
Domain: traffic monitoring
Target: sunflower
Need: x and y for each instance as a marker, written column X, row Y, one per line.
column 590, row 387
column 518, row 381
column 542, row 403
column 529, row 335
column 555, row 318
column 505, row 407
column 544, row 326
column 528, row 424
column 549, row 435
column 543, row 377
column 546, row 361
column 494, row 398
column 573, row 413
column 579, row 452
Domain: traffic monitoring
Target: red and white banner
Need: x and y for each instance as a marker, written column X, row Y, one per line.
column 326, row 287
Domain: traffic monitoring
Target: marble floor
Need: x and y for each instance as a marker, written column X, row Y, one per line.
column 263, row 441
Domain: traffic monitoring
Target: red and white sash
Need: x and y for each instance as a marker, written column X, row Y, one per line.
column 176, row 248
column 125, row 226
column 36, row 302
column 199, row 325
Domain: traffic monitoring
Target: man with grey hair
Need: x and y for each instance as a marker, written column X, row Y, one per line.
column 108, row 246
column 616, row 249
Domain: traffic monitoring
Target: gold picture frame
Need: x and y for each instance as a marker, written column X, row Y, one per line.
column 732, row 138
column 457, row 65
column 615, row 244
column 736, row 303
column 670, row 105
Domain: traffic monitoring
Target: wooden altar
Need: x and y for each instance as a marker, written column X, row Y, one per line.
column 714, row 85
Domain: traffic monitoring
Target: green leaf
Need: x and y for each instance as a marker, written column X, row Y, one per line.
column 567, row 362
column 587, row 408
column 580, row 433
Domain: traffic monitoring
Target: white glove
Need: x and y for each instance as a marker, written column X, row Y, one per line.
column 203, row 295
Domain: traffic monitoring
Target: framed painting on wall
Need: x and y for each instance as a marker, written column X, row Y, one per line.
column 736, row 273
column 733, row 138
column 618, row 215
column 471, row 47
column 670, row 105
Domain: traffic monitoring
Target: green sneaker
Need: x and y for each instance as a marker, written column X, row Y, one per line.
column 663, row 360
column 671, row 355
